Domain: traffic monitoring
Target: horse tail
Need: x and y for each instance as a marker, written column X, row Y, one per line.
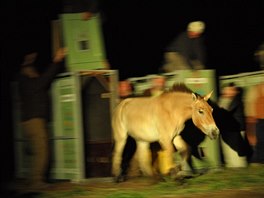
column 118, row 121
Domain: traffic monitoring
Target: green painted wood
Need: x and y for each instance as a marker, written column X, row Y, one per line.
column 84, row 41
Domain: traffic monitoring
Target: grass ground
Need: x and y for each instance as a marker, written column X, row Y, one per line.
column 226, row 183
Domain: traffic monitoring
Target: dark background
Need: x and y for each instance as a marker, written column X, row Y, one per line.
column 135, row 35
column 137, row 31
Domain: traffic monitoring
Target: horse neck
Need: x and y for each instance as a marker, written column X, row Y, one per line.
column 179, row 104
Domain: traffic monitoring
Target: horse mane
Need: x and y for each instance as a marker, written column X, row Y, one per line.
column 180, row 87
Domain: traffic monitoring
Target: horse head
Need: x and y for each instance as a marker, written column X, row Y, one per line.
column 202, row 115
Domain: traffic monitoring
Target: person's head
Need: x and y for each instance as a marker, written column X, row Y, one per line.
column 230, row 90
column 158, row 82
column 28, row 64
column 33, row 51
column 195, row 29
column 125, row 88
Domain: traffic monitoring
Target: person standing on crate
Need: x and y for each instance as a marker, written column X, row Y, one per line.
column 187, row 50
column 34, row 104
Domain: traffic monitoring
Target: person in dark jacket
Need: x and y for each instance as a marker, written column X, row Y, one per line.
column 187, row 50
column 232, row 101
column 34, row 104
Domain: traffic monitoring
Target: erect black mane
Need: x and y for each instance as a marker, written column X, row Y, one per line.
column 180, row 87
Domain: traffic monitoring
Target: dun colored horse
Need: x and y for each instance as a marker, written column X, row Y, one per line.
column 187, row 143
column 158, row 119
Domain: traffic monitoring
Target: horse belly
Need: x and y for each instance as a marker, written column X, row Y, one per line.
column 139, row 120
column 148, row 134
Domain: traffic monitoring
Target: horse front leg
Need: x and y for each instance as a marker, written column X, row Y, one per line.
column 184, row 150
column 166, row 159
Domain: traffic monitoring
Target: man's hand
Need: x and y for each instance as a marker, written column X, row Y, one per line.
column 60, row 55
column 86, row 15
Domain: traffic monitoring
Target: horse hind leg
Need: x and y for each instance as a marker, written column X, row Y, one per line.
column 117, row 158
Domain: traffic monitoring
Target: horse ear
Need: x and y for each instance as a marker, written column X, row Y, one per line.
column 206, row 97
column 194, row 97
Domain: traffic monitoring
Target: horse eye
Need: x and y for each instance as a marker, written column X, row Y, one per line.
column 200, row 111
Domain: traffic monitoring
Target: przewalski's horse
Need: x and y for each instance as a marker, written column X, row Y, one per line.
column 187, row 143
column 158, row 119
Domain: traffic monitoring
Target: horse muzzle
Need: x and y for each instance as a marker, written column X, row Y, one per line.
column 213, row 133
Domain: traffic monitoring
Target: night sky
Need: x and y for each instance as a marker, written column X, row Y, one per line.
column 137, row 39
column 136, row 32
column 135, row 35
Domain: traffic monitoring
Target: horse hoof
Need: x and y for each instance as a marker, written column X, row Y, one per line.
column 174, row 171
column 120, row 178
column 159, row 178
column 181, row 181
